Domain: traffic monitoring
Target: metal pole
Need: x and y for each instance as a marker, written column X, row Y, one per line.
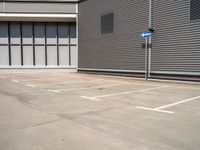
column 45, row 45
column 21, row 44
column 150, row 20
column 69, row 42
column 57, row 42
column 146, row 59
column 33, row 33
column 150, row 12
column 9, row 45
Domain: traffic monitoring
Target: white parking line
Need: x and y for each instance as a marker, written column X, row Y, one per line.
column 179, row 102
column 87, row 88
column 160, row 109
column 54, row 91
column 16, row 81
column 30, row 85
column 2, row 77
column 152, row 109
column 122, row 93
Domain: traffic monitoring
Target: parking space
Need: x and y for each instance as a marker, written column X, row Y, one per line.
column 86, row 111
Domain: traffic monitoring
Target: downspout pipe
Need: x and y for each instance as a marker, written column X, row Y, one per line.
column 150, row 47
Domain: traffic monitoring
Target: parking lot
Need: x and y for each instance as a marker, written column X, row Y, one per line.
column 58, row 110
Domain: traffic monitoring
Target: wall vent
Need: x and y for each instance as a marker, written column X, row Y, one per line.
column 107, row 23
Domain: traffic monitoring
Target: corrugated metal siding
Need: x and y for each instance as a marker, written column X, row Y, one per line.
column 28, row 7
column 176, row 44
column 120, row 50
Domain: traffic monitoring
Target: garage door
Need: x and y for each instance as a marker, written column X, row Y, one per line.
column 39, row 45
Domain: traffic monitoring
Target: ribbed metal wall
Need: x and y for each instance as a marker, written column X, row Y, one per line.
column 176, row 44
column 121, row 50
column 28, row 7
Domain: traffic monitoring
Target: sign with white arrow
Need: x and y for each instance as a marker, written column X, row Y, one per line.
column 145, row 34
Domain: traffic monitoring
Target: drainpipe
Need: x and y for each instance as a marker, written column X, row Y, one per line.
column 150, row 48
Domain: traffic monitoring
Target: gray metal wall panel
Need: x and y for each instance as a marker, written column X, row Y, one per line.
column 120, row 50
column 176, row 46
column 63, row 33
column 1, row 6
column 28, row 55
column 51, row 33
column 51, row 55
column 27, row 33
column 74, row 53
column 39, row 7
column 73, row 36
column 64, row 56
column 15, row 56
column 39, row 55
column 39, row 32
column 15, row 33
column 4, row 56
column 3, row 33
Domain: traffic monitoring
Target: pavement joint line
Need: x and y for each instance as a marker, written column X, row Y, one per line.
column 196, row 88
column 96, row 78
column 60, row 83
column 36, row 79
column 30, row 85
column 122, row 93
column 87, row 88
column 160, row 109
column 65, row 82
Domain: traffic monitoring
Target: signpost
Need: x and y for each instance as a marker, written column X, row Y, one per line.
column 146, row 35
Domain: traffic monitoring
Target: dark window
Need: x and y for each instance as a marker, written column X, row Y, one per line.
column 107, row 23
column 194, row 9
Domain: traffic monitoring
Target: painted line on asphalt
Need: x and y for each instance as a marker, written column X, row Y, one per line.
column 92, row 77
column 87, row 88
column 30, row 85
column 122, row 93
column 160, row 109
column 2, row 77
column 16, row 81
column 54, row 91
column 153, row 109
column 177, row 103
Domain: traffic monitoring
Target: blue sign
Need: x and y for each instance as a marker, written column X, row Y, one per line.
column 145, row 34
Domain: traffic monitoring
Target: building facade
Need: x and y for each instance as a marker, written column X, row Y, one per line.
column 38, row 34
column 174, row 48
column 102, row 35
